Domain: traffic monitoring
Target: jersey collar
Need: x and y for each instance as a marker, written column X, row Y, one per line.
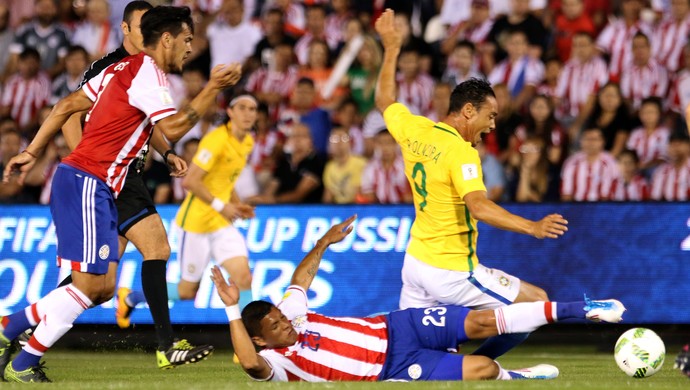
column 447, row 128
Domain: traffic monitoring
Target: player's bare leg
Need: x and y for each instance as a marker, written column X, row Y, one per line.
column 530, row 293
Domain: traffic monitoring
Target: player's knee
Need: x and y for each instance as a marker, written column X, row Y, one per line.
column 479, row 368
column 541, row 295
column 160, row 251
column 488, row 369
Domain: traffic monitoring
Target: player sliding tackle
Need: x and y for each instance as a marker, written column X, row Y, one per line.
column 410, row 344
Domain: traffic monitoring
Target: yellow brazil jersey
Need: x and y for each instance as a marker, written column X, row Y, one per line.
column 442, row 168
column 223, row 157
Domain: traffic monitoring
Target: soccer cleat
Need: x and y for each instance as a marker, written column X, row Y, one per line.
column 540, row 371
column 682, row 362
column 5, row 350
column 610, row 310
column 124, row 311
column 182, row 352
column 31, row 374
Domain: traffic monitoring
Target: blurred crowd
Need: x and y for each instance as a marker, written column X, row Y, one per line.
column 591, row 93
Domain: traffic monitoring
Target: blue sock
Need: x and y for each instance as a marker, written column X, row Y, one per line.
column 25, row 360
column 565, row 310
column 245, row 298
column 496, row 346
column 15, row 324
column 135, row 297
column 173, row 294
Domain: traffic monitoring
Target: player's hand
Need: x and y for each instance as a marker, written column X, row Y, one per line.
column 339, row 231
column 233, row 211
column 391, row 38
column 551, row 226
column 177, row 165
column 22, row 163
column 225, row 75
column 227, row 290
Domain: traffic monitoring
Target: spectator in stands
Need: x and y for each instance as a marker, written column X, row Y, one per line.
column 413, row 42
column 273, row 35
column 492, row 174
column 579, row 82
column 27, row 91
column 587, row 175
column 319, row 69
column 612, row 116
column 96, row 34
column 460, row 64
column 552, row 72
column 497, row 141
column 518, row 71
column 336, row 22
column 383, row 179
column 347, row 117
column 268, row 147
column 6, row 38
column 440, row 102
column 11, row 192
column 76, row 63
column 671, row 36
column 316, row 30
column 537, row 179
column 475, row 30
column 362, row 75
column 644, row 76
column 44, row 35
column 272, row 85
column 671, row 181
column 193, row 81
column 572, row 19
column 415, row 88
column 616, row 38
column 297, row 177
column 343, row 173
column 293, row 12
column 230, row 27
column 303, row 109
column 541, row 122
column 42, row 173
column 650, row 140
column 630, row 185
column 520, row 19
column 597, row 10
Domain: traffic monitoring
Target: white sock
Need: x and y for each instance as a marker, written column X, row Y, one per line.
column 524, row 317
column 58, row 311
column 503, row 374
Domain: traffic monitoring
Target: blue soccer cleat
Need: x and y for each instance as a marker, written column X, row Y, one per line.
column 609, row 310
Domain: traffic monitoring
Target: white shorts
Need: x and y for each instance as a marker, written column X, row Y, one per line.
column 197, row 249
column 483, row 288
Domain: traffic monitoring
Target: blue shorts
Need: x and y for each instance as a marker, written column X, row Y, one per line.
column 85, row 220
column 418, row 343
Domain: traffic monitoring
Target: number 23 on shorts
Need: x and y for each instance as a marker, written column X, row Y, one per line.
column 435, row 316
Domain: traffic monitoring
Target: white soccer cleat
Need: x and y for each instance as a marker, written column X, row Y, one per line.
column 610, row 310
column 540, row 371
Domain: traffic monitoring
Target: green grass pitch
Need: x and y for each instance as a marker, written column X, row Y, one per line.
column 581, row 367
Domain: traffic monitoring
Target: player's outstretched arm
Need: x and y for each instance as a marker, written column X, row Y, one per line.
column 306, row 270
column 252, row 363
column 392, row 41
column 485, row 210
column 222, row 76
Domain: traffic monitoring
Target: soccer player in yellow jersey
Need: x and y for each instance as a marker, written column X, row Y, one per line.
column 444, row 171
column 204, row 220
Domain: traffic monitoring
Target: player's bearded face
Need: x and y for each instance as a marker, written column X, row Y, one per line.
column 181, row 49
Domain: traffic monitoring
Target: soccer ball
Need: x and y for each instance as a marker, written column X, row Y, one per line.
column 640, row 352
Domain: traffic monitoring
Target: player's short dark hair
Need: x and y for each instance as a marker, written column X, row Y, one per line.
column 132, row 6
column 162, row 19
column 30, row 52
column 473, row 91
column 252, row 314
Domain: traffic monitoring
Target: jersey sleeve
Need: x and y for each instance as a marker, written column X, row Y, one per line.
column 93, row 85
column 294, row 302
column 278, row 373
column 397, row 117
column 209, row 150
column 150, row 93
column 466, row 172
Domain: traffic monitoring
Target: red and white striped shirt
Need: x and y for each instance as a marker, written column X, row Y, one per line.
column 517, row 74
column 263, row 148
column 416, row 95
column 335, row 26
column 670, row 183
column 475, row 34
column 578, row 81
column 327, row 348
column 588, row 182
column 636, row 190
column 389, row 185
column 302, row 46
column 267, row 81
column 679, row 94
column 639, row 82
column 25, row 97
column 668, row 42
column 129, row 98
column 616, row 40
column 649, row 147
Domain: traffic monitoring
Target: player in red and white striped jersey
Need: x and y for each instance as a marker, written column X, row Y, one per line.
column 411, row 344
column 580, row 79
column 630, row 185
column 671, row 181
column 650, row 141
column 644, row 76
column 587, row 176
column 616, row 38
column 671, row 36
